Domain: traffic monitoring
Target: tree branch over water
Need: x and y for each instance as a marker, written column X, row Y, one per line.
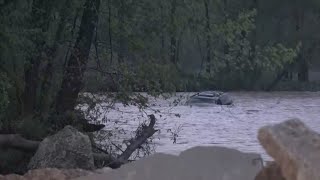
column 141, row 137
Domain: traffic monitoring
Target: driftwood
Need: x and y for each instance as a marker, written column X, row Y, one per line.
column 17, row 142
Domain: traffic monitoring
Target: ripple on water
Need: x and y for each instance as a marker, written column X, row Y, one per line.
column 231, row 126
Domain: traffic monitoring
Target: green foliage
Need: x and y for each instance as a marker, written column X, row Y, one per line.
column 275, row 57
column 239, row 63
column 151, row 77
column 157, row 78
column 234, row 30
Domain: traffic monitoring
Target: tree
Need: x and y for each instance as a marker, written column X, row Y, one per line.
column 173, row 29
column 73, row 74
column 239, row 59
column 208, row 32
column 40, row 18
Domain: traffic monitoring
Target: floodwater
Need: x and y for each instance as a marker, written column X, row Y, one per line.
column 233, row 126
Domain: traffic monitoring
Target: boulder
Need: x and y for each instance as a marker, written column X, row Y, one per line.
column 67, row 149
column 102, row 170
column 294, row 147
column 270, row 172
column 225, row 99
column 205, row 163
column 12, row 177
column 48, row 173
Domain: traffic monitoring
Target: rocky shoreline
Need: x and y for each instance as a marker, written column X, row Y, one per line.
column 294, row 147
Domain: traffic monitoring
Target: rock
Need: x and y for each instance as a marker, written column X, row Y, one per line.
column 56, row 174
column 203, row 163
column 225, row 99
column 103, row 170
column 48, row 173
column 294, row 147
column 12, row 177
column 67, row 149
column 271, row 172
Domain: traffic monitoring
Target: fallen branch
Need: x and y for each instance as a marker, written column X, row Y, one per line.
column 17, row 142
column 141, row 137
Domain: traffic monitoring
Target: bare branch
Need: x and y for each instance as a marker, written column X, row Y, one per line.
column 18, row 142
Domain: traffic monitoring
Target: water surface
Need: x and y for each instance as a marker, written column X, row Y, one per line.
column 230, row 126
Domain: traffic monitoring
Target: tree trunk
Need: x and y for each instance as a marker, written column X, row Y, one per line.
column 40, row 14
column 162, row 36
column 303, row 74
column 256, row 71
column 51, row 53
column 276, row 80
column 31, row 84
column 208, row 36
column 226, row 47
column 173, row 41
column 302, row 61
column 72, row 81
column 122, row 31
column 280, row 75
column 110, row 31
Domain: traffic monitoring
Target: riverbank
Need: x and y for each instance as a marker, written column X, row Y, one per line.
column 282, row 141
column 297, row 86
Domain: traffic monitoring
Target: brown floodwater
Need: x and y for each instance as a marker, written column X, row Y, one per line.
column 233, row 126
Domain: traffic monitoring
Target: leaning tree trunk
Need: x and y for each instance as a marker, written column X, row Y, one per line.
column 72, row 81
